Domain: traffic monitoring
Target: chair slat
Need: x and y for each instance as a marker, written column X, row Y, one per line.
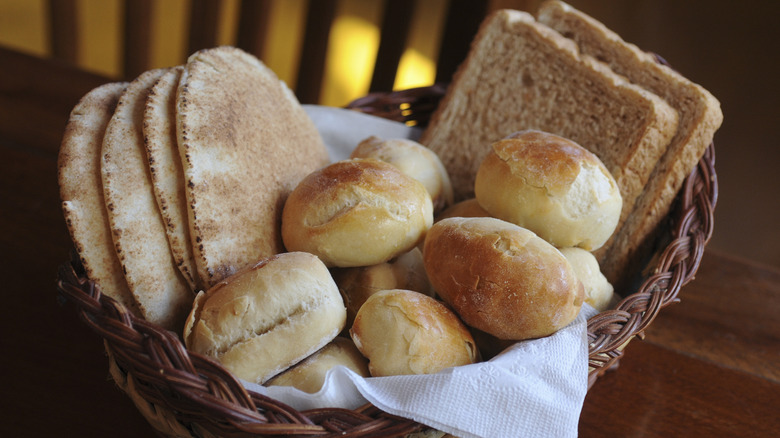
column 462, row 22
column 253, row 26
column 137, row 37
column 204, row 24
column 394, row 34
column 63, row 35
column 311, row 69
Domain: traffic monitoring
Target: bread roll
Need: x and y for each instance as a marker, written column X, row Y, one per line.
column 309, row 374
column 406, row 332
column 357, row 212
column 358, row 283
column 413, row 159
column 501, row 278
column 267, row 317
column 551, row 186
column 467, row 208
column 598, row 290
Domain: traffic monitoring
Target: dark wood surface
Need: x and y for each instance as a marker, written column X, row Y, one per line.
column 709, row 366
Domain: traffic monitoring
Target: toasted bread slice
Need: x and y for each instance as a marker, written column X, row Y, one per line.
column 81, row 192
column 138, row 229
column 700, row 116
column 159, row 129
column 245, row 143
column 520, row 74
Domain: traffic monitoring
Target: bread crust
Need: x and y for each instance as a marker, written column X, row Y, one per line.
column 500, row 278
column 268, row 316
column 700, row 116
column 521, row 75
column 245, row 142
column 552, row 186
column 404, row 332
column 81, row 191
column 137, row 227
column 165, row 169
column 356, row 212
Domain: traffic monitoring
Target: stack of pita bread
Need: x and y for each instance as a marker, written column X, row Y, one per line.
column 176, row 180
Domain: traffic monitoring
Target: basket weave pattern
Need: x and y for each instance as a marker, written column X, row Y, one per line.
column 185, row 394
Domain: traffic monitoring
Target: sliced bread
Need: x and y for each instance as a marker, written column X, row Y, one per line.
column 521, row 74
column 700, row 116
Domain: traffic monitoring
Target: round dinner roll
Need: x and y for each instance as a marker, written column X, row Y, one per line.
column 267, row 317
column 466, row 208
column 551, row 186
column 501, row 278
column 309, row 374
column 598, row 290
column 405, row 332
column 356, row 212
column 357, row 284
column 413, row 159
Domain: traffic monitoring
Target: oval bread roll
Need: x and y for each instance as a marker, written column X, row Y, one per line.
column 357, row 212
column 413, row 159
column 405, row 332
column 598, row 290
column 501, row 278
column 551, row 186
column 267, row 317
column 358, row 283
column 466, row 208
column 309, row 374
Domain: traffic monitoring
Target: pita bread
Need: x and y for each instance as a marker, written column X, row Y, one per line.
column 159, row 129
column 81, row 191
column 138, row 229
column 245, row 142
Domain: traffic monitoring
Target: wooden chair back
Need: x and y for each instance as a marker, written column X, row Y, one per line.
column 461, row 23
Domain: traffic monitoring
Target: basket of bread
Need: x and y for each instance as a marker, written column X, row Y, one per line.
column 464, row 258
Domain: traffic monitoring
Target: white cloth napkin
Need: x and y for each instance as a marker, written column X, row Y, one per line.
column 533, row 389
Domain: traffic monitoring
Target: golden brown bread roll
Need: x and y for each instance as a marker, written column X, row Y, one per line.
column 598, row 290
column 357, row 212
column 467, row 208
column 413, row 159
column 551, row 186
column 358, row 283
column 405, row 332
column 309, row 374
column 501, row 278
column 267, row 317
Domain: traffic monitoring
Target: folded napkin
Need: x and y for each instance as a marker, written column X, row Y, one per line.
column 533, row 389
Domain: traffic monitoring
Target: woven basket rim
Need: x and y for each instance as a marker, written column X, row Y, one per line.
column 183, row 391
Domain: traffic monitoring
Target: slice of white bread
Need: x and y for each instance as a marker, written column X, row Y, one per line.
column 81, row 191
column 520, row 74
column 700, row 116
column 245, row 143
column 159, row 129
column 137, row 227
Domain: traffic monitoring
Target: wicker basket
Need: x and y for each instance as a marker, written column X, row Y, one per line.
column 185, row 394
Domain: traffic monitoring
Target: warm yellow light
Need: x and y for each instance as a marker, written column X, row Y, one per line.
column 285, row 36
column 100, row 36
column 350, row 61
column 414, row 70
column 22, row 26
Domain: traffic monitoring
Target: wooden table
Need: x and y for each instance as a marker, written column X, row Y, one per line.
column 709, row 366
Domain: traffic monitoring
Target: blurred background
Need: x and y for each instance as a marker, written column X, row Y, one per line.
column 732, row 50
